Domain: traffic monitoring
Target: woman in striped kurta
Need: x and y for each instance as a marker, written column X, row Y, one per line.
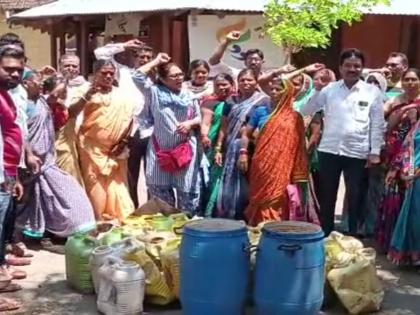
column 174, row 114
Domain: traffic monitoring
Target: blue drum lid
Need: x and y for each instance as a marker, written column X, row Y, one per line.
column 223, row 226
column 290, row 229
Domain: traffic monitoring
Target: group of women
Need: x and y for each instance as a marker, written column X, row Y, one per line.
column 232, row 149
column 212, row 137
column 254, row 156
column 399, row 210
column 57, row 200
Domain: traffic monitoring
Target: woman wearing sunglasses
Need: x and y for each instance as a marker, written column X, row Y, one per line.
column 173, row 156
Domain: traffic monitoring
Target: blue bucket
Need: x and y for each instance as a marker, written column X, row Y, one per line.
column 290, row 269
column 214, row 267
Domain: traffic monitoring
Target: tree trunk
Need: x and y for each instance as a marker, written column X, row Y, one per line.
column 287, row 57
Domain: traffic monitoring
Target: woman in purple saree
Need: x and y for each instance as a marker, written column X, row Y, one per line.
column 54, row 201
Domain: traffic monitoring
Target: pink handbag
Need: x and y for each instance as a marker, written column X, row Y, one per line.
column 175, row 159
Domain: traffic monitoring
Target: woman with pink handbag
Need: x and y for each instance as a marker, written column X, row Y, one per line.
column 173, row 157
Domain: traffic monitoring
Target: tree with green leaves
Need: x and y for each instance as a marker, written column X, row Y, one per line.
column 298, row 24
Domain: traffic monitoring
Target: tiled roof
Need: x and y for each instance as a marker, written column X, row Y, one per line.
column 92, row 7
column 95, row 7
column 22, row 4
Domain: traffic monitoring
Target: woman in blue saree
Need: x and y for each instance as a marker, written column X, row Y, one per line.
column 233, row 192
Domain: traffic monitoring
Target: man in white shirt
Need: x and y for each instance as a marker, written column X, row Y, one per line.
column 127, row 57
column 253, row 58
column 352, row 138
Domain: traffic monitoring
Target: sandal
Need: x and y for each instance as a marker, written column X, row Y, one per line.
column 9, row 305
column 16, row 274
column 12, row 287
column 17, row 261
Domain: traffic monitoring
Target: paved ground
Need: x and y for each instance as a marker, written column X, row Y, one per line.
column 46, row 293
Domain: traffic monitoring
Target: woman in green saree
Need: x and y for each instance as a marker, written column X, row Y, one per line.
column 212, row 113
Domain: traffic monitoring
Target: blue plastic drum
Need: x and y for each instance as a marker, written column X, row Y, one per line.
column 214, row 267
column 289, row 271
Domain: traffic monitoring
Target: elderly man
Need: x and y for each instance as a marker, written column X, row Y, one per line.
column 67, row 155
column 70, row 70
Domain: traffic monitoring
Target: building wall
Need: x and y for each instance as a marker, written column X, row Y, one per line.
column 37, row 44
column 164, row 32
column 378, row 35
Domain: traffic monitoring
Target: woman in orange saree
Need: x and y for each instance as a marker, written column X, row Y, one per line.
column 102, row 139
column 279, row 160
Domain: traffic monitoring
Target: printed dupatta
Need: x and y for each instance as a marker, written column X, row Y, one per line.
column 405, row 160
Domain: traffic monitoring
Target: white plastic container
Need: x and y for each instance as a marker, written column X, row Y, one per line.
column 97, row 259
column 121, row 288
column 118, row 250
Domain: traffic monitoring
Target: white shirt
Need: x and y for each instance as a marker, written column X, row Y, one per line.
column 73, row 95
column 20, row 99
column 353, row 119
column 125, row 79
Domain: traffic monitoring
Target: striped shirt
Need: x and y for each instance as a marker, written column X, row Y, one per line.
column 165, row 110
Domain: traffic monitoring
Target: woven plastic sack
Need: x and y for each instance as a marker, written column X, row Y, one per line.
column 254, row 233
column 157, row 290
column 170, row 264
column 341, row 251
column 157, row 242
column 358, row 287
